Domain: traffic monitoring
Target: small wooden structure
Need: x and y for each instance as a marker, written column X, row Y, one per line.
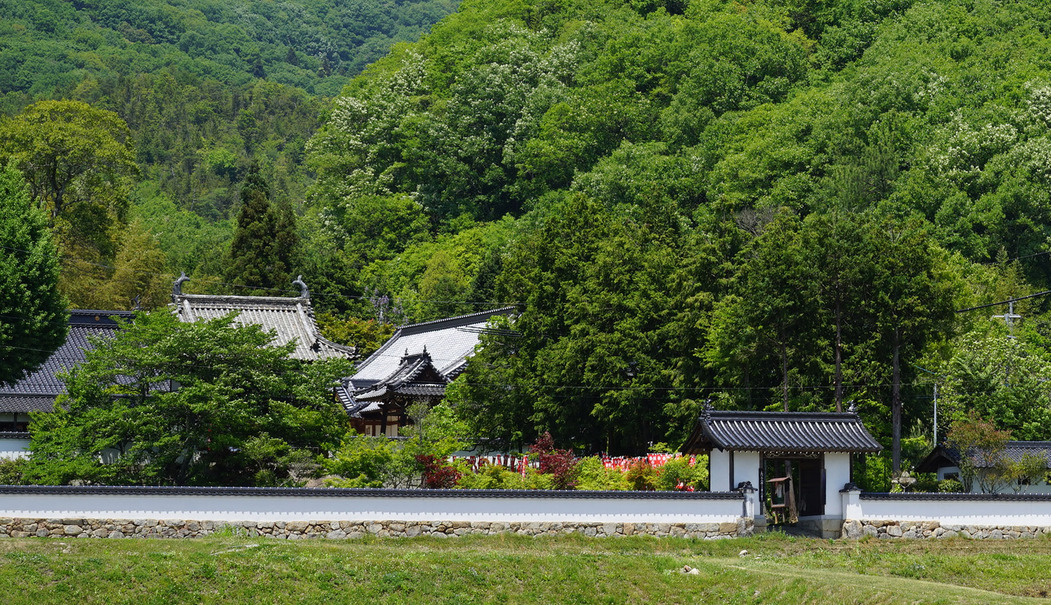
column 809, row 451
column 945, row 461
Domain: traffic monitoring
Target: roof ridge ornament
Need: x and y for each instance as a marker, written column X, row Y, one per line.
column 852, row 407
column 177, row 286
column 304, row 292
column 706, row 411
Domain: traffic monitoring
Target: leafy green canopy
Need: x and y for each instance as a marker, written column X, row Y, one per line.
column 310, row 44
column 776, row 203
column 32, row 311
column 171, row 403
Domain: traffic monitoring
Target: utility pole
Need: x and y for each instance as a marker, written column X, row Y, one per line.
column 936, row 414
column 1009, row 317
column 936, row 375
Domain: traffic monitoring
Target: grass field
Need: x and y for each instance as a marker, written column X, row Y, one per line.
column 514, row 569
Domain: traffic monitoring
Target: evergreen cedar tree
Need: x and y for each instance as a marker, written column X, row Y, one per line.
column 33, row 318
column 264, row 245
column 172, row 403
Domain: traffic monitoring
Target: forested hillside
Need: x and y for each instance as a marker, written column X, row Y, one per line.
column 206, row 88
column 769, row 204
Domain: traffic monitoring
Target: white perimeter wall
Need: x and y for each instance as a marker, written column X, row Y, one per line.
column 354, row 505
column 949, row 509
column 13, row 448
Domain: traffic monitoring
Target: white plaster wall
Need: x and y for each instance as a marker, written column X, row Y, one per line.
column 14, row 448
column 302, row 507
column 719, row 471
column 837, row 474
column 746, row 468
column 999, row 512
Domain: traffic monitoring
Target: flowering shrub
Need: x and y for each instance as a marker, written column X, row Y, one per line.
column 560, row 464
column 437, row 473
column 641, row 476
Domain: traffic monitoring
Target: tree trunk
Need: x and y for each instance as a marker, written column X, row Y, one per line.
column 839, row 357
column 895, row 402
column 784, row 374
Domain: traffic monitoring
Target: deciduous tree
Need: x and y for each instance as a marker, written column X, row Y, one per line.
column 171, row 403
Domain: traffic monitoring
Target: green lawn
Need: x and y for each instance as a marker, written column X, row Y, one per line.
column 513, row 569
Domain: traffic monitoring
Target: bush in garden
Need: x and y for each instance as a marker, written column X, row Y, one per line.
column 437, row 473
column 679, row 474
column 950, row 486
column 925, row 482
column 593, row 475
column 560, row 464
column 11, row 471
column 369, row 462
column 494, row 476
column 641, row 476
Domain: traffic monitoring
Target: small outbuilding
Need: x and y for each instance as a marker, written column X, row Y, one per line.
column 945, row 462
column 804, row 458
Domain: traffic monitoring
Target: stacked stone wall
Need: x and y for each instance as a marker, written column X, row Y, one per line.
column 341, row 530
column 933, row 529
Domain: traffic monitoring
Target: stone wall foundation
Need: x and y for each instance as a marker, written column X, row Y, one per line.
column 933, row 529
column 344, row 530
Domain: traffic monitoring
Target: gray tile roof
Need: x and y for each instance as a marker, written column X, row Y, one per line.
column 449, row 342
column 417, row 361
column 782, row 432
column 38, row 390
column 290, row 319
column 944, row 456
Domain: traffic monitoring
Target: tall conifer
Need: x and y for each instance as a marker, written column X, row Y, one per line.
column 32, row 311
column 262, row 251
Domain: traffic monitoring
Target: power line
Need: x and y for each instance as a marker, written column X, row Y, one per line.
column 1004, row 302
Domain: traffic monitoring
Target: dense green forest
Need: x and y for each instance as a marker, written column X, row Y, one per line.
column 205, row 89
column 768, row 204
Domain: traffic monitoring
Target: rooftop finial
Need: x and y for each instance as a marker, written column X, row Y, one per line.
column 852, row 407
column 177, row 288
column 303, row 291
column 708, row 408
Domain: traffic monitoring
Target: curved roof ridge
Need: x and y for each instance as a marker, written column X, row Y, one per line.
column 458, row 318
column 102, row 312
column 285, row 300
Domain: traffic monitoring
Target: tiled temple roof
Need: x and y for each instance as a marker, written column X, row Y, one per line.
column 290, row 318
column 417, row 361
column 782, row 432
column 38, row 390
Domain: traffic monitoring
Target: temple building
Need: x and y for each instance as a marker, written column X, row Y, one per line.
column 414, row 365
column 798, row 461
column 38, row 390
column 290, row 318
